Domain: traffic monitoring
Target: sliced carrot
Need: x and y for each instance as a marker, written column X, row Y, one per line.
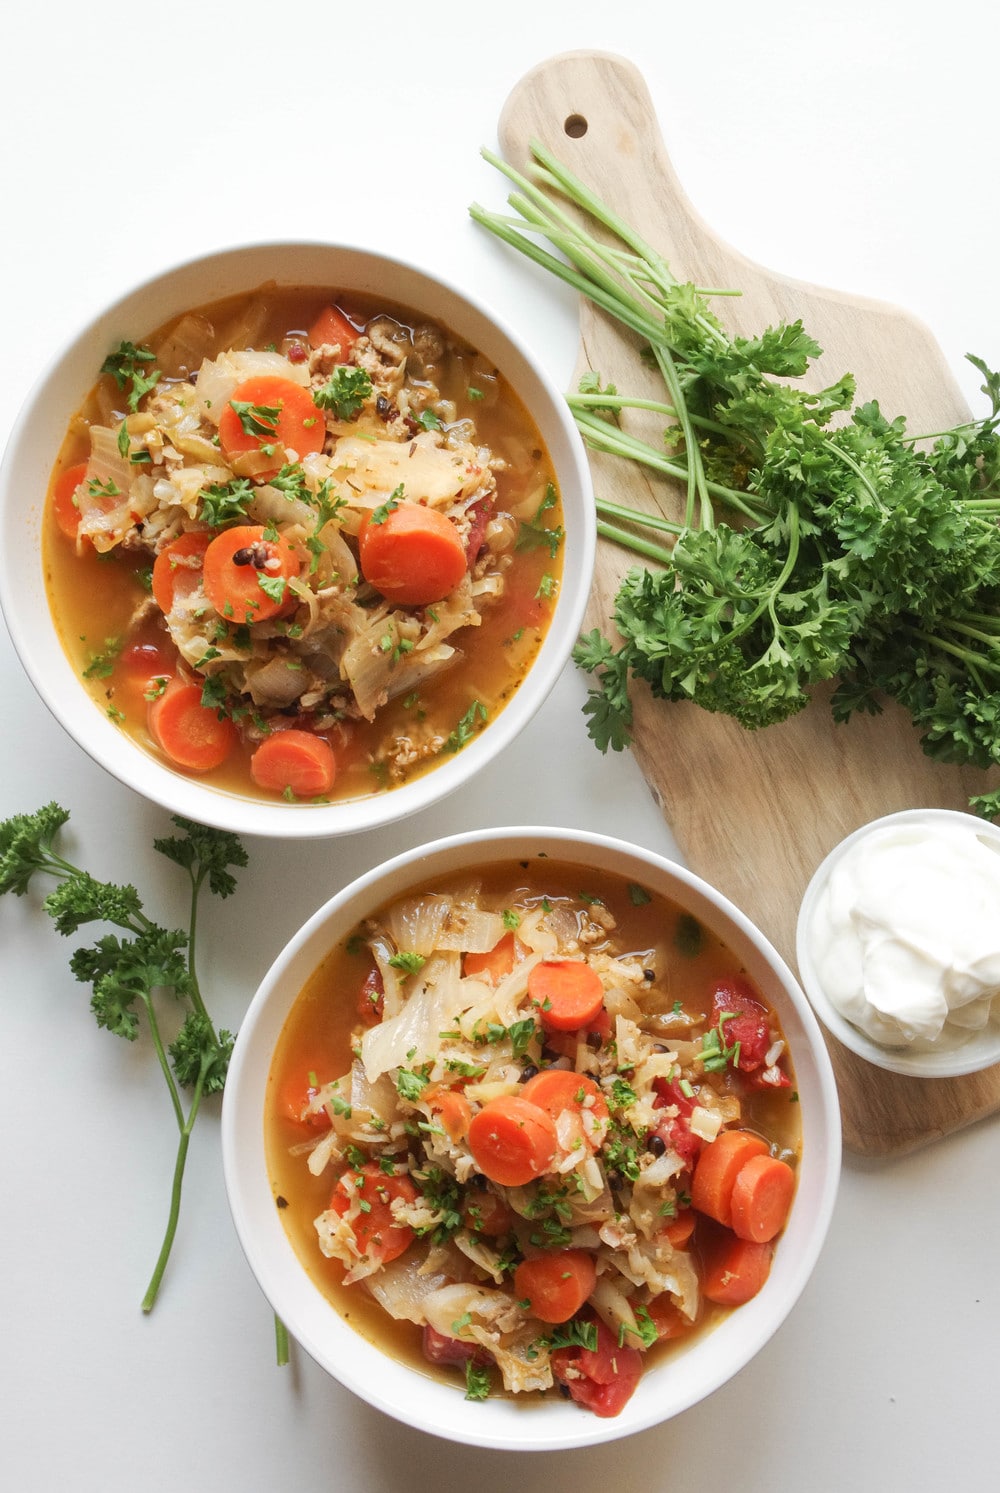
column 734, row 1269
column 67, row 514
column 296, row 1092
column 762, row 1198
column 452, row 1111
column 716, row 1171
column 569, row 993
column 512, row 1141
column 556, row 1284
column 558, row 1089
column 191, row 734
column 375, row 1230
column 141, row 670
column 270, row 412
column 413, row 555
column 679, row 1230
column 296, row 762
column 667, row 1317
column 238, row 565
column 177, row 569
column 332, row 328
column 496, row 963
column 488, row 1214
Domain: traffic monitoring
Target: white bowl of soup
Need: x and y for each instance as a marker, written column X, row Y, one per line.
column 530, row 1138
column 296, row 538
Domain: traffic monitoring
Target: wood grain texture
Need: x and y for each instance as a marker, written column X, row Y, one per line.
column 754, row 812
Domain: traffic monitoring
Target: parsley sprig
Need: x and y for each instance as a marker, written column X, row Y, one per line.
column 132, row 976
column 817, row 540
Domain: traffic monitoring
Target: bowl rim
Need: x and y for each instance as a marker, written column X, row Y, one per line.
column 950, row 1062
column 389, row 1385
column 39, row 649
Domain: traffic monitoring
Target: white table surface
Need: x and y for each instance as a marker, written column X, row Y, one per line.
column 853, row 145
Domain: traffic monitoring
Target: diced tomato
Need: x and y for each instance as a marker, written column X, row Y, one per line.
column 603, row 1380
column 669, row 1091
column 750, row 1026
column 677, row 1135
column 675, row 1132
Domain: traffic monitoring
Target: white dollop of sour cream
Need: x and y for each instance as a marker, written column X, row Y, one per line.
column 905, row 932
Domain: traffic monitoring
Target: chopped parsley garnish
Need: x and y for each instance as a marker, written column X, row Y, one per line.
column 477, row 1380
column 644, row 1329
column 259, row 420
column 410, row 1085
column 622, row 1094
column 535, row 534
column 273, row 586
column 575, row 1334
column 522, row 1034
column 225, row 502
column 130, row 366
column 102, row 664
column 98, row 489
column 477, row 714
column 715, row 1052
column 392, row 502
column 344, row 392
column 408, row 961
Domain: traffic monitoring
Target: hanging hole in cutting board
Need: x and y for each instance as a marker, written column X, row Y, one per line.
column 575, row 126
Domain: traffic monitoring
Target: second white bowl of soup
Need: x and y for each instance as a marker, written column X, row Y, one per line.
column 295, row 538
column 530, row 1138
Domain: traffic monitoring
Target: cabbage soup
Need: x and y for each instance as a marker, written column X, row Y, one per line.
column 532, row 1128
column 302, row 544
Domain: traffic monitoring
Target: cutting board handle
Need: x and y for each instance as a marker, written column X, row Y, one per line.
column 594, row 112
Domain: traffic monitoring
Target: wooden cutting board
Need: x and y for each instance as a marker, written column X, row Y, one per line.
column 754, row 812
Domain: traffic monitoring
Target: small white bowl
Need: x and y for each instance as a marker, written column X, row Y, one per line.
column 665, row 1389
column 39, row 433
column 980, row 1050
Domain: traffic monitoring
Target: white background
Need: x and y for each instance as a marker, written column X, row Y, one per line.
column 851, row 144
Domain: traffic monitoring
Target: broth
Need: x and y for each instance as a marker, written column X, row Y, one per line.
column 621, row 930
column 391, row 686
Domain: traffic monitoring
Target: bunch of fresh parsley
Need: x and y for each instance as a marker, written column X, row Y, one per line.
column 132, row 976
column 808, row 550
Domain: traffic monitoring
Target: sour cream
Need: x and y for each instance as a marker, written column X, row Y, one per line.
column 903, row 934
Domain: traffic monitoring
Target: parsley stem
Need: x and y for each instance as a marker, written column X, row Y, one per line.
column 601, row 436
column 608, row 401
column 186, row 1127
column 161, row 1057
column 196, row 1000
column 634, row 516
column 957, row 651
column 634, row 542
